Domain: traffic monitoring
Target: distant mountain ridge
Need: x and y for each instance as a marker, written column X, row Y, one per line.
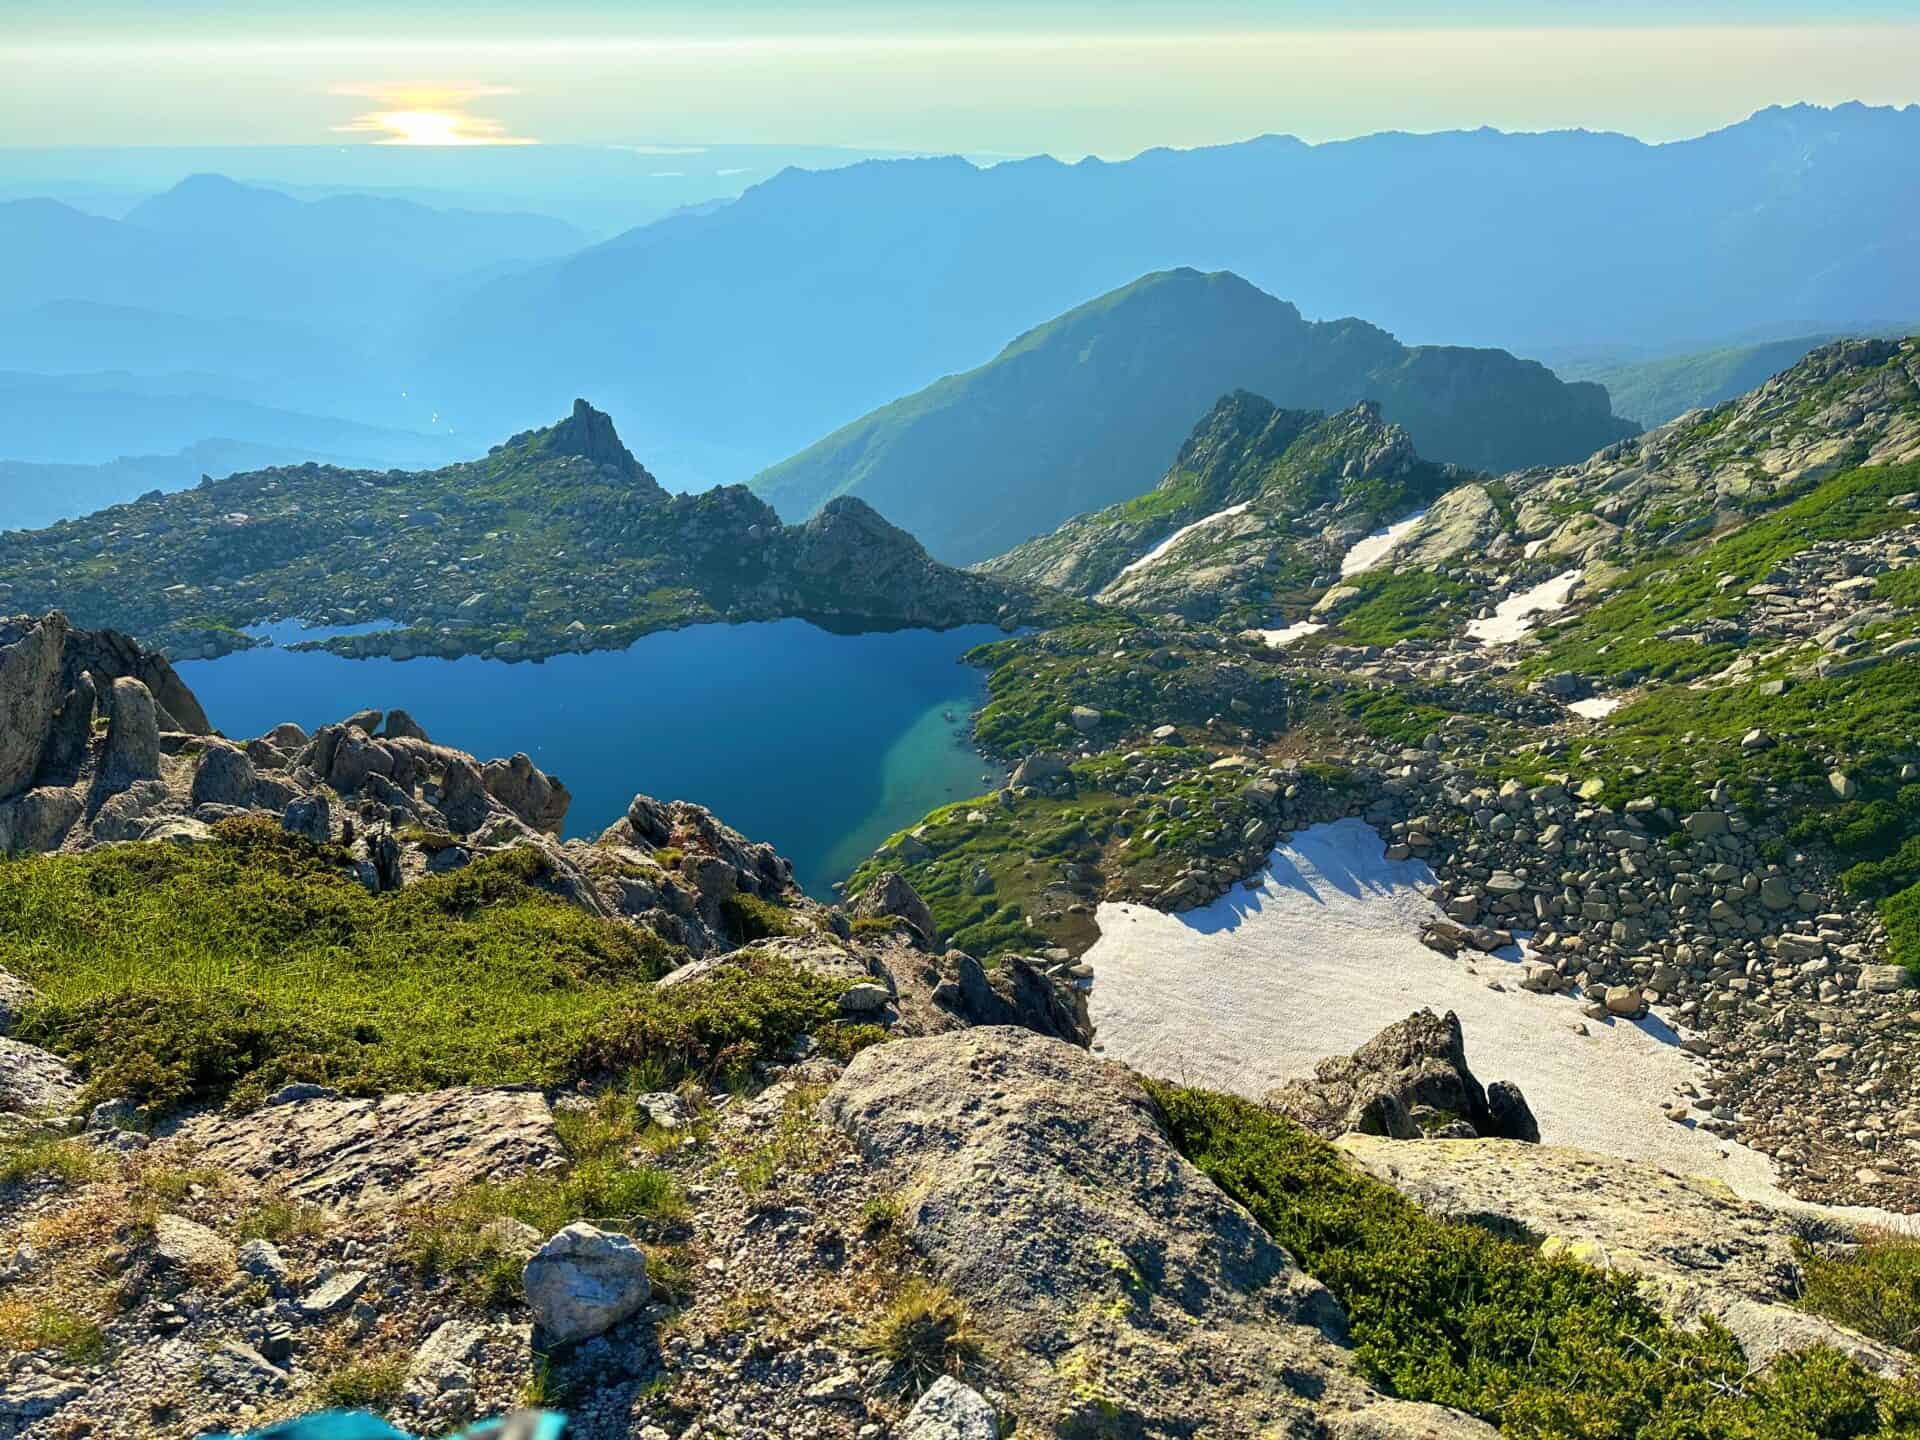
column 213, row 247
column 557, row 540
column 1256, row 510
column 1086, row 410
column 824, row 295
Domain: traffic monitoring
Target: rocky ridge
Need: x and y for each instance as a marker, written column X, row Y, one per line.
column 1258, row 507
column 558, row 540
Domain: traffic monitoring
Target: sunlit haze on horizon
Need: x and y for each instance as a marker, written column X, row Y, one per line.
column 1063, row 77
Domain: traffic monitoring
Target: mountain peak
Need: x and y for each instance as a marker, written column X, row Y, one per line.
column 588, row 433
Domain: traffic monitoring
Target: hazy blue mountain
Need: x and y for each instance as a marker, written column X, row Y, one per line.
column 70, row 444
column 34, row 493
column 731, row 339
column 87, row 419
column 213, row 247
column 1087, row 410
column 603, row 189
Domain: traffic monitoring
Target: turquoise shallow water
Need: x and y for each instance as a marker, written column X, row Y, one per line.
column 822, row 744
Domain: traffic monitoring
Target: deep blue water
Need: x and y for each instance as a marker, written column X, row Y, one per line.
column 822, row 744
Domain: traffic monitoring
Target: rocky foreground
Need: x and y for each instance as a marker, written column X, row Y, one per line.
column 931, row 1213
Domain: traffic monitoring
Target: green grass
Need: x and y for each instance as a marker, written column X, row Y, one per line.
column 751, row 918
column 1543, row 1348
column 49, row 1157
column 183, row 973
column 363, row 1385
column 1391, row 716
column 1621, row 633
column 1399, row 605
column 926, row 1332
column 603, row 1182
column 27, row 1325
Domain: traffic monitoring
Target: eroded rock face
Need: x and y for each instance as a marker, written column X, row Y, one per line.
column 223, row 776
column 372, row 1154
column 133, row 738
column 890, row 894
column 34, row 1082
column 29, row 694
column 1702, row 1250
column 1119, row 1280
column 1410, row 1080
column 536, row 797
column 1049, row 1000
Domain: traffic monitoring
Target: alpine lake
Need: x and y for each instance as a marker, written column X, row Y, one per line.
column 823, row 744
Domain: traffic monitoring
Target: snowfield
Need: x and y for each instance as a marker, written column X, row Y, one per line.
column 1257, row 987
column 1177, row 536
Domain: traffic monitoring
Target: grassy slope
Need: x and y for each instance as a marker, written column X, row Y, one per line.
column 1677, row 741
column 1544, row 1348
column 199, row 972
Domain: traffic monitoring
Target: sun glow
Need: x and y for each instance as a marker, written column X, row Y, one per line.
column 416, row 116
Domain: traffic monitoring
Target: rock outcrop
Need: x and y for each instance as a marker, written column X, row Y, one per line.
column 585, row 1281
column 890, row 895
column 1409, row 1081
column 590, row 552
column 29, row 697
column 362, row 1154
column 1125, row 1291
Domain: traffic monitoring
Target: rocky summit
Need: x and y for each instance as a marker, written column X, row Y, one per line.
column 557, row 540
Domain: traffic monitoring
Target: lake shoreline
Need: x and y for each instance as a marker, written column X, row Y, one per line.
column 786, row 730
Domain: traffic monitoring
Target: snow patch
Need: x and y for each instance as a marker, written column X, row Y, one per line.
column 1299, row 630
column 1257, row 987
column 1513, row 616
column 1597, row 707
column 1177, row 536
column 1367, row 552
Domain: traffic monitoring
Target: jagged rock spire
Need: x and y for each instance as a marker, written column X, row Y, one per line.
column 589, row 432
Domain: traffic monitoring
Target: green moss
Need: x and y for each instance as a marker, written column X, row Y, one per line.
column 1542, row 1347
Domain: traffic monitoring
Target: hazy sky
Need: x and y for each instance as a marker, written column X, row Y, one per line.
column 1068, row 76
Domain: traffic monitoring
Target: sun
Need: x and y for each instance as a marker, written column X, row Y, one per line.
column 424, row 127
column 422, row 116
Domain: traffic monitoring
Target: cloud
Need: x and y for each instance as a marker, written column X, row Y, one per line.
column 428, row 115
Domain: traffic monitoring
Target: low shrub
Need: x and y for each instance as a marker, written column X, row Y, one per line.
column 1542, row 1347
column 1873, row 1288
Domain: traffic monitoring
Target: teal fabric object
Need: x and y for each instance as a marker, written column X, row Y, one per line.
column 359, row 1425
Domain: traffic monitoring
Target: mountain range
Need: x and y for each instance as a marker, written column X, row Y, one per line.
column 213, row 247
column 1086, row 410
column 730, row 340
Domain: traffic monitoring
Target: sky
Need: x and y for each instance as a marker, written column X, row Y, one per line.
column 1069, row 77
